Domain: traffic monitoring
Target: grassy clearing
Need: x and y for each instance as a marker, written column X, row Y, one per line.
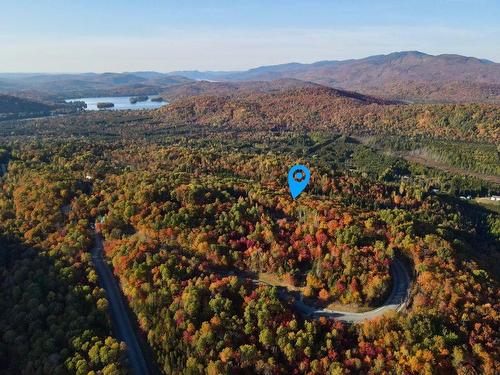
column 348, row 308
column 276, row 280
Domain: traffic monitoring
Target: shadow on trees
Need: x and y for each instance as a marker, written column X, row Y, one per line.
column 49, row 322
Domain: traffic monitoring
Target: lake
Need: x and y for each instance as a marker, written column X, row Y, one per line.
column 120, row 102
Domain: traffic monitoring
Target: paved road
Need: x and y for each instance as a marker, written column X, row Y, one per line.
column 396, row 300
column 121, row 322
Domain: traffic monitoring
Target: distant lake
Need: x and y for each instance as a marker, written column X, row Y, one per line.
column 120, row 102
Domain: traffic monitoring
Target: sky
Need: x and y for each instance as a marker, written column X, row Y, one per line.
column 132, row 35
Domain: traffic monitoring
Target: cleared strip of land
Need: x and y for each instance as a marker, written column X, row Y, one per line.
column 447, row 168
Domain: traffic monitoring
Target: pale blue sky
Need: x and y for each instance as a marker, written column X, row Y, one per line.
column 126, row 35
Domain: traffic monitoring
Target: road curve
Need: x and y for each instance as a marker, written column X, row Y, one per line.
column 396, row 300
column 121, row 321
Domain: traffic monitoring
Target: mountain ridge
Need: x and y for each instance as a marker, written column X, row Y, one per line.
column 405, row 75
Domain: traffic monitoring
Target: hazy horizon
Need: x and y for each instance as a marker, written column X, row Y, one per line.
column 215, row 70
column 165, row 36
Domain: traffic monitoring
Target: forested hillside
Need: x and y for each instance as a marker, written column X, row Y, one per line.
column 193, row 214
column 321, row 108
column 53, row 317
column 245, row 88
column 12, row 104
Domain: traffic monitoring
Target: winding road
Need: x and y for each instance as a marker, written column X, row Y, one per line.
column 121, row 321
column 126, row 332
column 396, row 300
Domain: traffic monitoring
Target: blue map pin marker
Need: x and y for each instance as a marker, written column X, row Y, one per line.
column 298, row 178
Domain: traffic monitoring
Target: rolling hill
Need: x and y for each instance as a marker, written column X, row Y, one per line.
column 240, row 88
column 320, row 108
column 13, row 104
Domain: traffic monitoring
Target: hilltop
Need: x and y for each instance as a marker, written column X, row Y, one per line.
column 307, row 107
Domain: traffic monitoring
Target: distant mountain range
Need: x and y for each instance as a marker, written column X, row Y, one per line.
column 409, row 76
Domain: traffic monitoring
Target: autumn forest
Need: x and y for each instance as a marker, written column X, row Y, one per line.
column 213, row 256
